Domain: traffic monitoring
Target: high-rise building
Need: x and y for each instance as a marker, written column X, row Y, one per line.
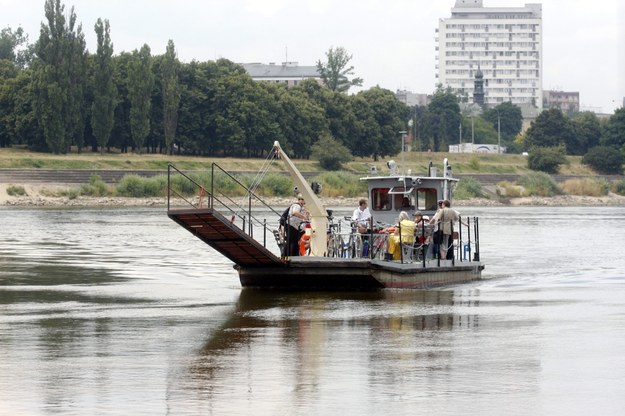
column 504, row 42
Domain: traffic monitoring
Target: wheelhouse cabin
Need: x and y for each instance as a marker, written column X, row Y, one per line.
column 389, row 195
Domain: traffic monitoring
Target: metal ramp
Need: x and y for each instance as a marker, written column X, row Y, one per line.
column 216, row 230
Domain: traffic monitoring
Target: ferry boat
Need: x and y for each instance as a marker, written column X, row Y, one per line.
column 229, row 217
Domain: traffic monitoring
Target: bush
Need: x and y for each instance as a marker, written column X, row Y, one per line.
column 539, row 184
column 275, row 184
column 16, row 190
column 341, row 184
column 468, row 188
column 618, row 187
column 586, row 187
column 603, row 159
column 95, row 187
column 546, row 159
column 330, row 153
column 137, row 187
column 509, row 190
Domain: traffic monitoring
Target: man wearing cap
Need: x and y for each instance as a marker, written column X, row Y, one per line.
column 297, row 214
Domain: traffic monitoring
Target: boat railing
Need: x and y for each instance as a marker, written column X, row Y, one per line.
column 225, row 194
column 464, row 242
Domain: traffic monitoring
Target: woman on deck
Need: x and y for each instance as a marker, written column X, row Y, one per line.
column 407, row 236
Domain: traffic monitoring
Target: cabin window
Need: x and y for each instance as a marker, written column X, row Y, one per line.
column 402, row 198
column 380, row 199
column 426, row 199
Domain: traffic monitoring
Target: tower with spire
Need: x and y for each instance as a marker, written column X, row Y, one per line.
column 478, row 87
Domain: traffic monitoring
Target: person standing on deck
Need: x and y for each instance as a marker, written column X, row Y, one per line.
column 445, row 218
column 297, row 214
column 362, row 221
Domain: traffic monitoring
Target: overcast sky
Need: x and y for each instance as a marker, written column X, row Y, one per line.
column 392, row 41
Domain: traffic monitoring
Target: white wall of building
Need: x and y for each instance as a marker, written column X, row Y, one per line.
column 505, row 42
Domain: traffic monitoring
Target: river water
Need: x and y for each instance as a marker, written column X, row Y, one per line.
column 121, row 311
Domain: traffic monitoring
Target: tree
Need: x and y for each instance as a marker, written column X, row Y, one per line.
column 391, row 117
column 59, row 78
column 301, row 119
column 334, row 72
column 330, row 153
column 604, row 159
column 615, row 130
column 588, row 131
column 14, row 47
column 171, row 95
column 104, row 88
column 508, row 118
column 479, row 130
column 443, row 119
column 551, row 129
column 140, row 84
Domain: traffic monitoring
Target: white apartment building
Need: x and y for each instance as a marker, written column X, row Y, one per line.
column 504, row 42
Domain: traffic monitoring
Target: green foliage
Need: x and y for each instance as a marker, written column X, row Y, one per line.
column 603, row 159
column 275, row 184
column 59, row 78
column 539, row 184
column 382, row 117
column 478, row 130
column 95, row 187
column 509, row 119
column 474, row 163
column 104, row 88
column 552, row 129
column 588, row 130
column 341, row 184
column 140, row 84
column 14, row 47
column 171, row 94
column 138, row 187
column 546, row 159
column 468, row 188
column 618, row 187
column 330, row 153
column 335, row 71
column 615, row 130
column 16, row 190
column 442, row 120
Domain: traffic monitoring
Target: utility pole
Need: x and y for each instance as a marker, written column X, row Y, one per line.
column 498, row 133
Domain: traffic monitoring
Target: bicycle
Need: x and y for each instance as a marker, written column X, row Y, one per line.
column 352, row 247
column 379, row 245
column 334, row 238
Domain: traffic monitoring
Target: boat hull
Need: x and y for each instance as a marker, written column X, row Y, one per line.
column 315, row 273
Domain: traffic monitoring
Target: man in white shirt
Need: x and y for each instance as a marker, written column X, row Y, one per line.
column 362, row 216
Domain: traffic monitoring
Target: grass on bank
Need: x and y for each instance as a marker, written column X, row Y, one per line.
column 417, row 162
column 335, row 184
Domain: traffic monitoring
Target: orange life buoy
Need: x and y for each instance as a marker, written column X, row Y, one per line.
column 304, row 245
column 304, row 241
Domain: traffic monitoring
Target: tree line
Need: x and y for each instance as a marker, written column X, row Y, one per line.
column 56, row 96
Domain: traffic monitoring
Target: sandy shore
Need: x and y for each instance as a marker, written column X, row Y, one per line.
column 37, row 197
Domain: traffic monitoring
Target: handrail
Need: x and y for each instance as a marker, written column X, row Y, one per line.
column 228, row 205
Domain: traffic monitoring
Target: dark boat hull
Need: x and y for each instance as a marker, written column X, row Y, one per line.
column 315, row 273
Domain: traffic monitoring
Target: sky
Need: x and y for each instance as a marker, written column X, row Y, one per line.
column 392, row 42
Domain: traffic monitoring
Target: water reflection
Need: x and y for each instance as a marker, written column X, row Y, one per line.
column 292, row 340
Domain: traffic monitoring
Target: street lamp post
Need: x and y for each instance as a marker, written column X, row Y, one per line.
column 498, row 132
column 472, row 133
column 403, row 140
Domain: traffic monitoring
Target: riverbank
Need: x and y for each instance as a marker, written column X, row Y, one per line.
column 38, row 196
